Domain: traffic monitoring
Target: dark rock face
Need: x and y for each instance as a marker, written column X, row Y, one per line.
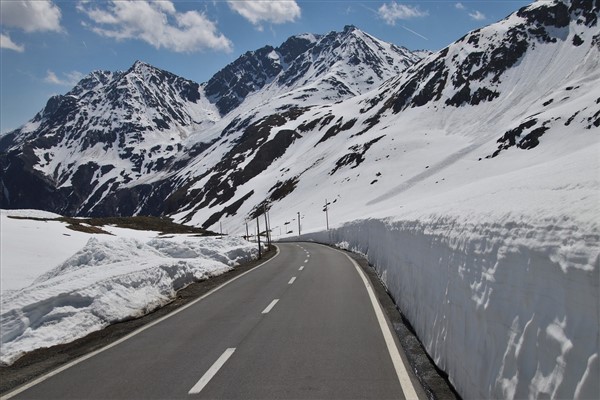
column 356, row 156
column 227, row 211
column 226, row 176
column 281, row 189
column 512, row 138
column 23, row 187
column 248, row 74
column 252, row 71
column 337, row 128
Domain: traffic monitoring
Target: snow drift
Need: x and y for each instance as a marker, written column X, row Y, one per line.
column 107, row 281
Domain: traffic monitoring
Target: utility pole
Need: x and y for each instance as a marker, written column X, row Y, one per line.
column 326, row 214
column 221, row 228
column 258, row 236
column 247, row 233
column 267, row 230
column 299, row 233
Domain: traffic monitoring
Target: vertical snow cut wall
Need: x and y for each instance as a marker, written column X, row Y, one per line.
column 508, row 309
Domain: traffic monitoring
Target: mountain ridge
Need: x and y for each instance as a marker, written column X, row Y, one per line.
column 201, row 163
column 118, row 129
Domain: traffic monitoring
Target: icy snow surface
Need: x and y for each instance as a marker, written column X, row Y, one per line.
column 85, row 282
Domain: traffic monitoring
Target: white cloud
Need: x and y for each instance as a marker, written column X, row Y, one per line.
column 275, row 12
column 7, row 43
column 31, row 16
column 460, row 6
column 477, row 15
column 69, row 78
column 392, row 12
column 156, row 23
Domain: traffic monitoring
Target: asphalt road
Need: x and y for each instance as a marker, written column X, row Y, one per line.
column 303, row 325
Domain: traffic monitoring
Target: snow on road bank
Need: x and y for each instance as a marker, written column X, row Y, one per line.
column 509, row 308
column 110, row 279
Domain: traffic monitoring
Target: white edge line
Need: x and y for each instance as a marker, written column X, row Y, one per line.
column 212, row 371
column 292, row 280
column 124, row 338
column 401, row 372
column 270, row 306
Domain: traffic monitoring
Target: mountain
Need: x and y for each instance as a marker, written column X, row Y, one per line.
column 514, row 85
column 110, row 129
column 147, row 142
column 107, row 146
column 309, row 69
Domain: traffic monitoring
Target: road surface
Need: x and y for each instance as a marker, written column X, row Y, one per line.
column 303, row 325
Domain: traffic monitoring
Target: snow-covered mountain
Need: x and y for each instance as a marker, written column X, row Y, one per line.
column 309, row 69
column 110, row 129
column 512, row 84
column 109, row 144
column 469, row 178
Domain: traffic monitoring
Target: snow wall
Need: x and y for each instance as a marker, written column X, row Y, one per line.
column 107, row 281
column 508, row 310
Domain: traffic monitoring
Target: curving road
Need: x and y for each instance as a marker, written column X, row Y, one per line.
column 303, row 325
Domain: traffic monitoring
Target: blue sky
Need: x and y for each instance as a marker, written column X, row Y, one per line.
column 46, row 46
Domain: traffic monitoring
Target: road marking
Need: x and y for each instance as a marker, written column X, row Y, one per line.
column 292, row 280
column 401, row 372
column 307, row 255
column 212, row 371
column 306, row 260
column 270, row 306
column 301, row 268
column 124, row 338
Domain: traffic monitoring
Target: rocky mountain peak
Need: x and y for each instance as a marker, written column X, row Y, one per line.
column 349, row 28
column 338, row 64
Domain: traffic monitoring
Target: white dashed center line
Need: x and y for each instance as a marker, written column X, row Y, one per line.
column 301, row 268
column 292, row 280
column 212, row 371
column 270, row 306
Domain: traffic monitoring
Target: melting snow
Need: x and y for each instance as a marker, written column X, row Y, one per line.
column 57, row 288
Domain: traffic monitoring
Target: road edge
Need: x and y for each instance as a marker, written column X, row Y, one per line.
column 431, row 380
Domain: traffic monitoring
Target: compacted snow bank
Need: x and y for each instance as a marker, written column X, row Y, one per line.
column 109, row 279
column 509, row 308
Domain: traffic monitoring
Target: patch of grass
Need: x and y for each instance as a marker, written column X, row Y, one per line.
column 164, row 226
column 87, row 229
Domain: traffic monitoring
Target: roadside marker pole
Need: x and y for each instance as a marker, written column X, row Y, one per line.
column 258, row 236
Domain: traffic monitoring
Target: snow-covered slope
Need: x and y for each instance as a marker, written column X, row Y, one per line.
column 466, row 107
column 59, row 285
